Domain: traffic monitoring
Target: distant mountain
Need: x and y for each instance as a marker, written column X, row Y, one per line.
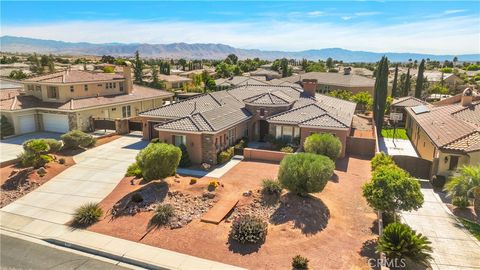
column 203, row 51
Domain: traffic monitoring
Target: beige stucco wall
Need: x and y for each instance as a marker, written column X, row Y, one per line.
column 443, row 166
column 193, row 144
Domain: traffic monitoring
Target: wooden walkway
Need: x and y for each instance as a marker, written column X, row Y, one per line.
column 218, row 212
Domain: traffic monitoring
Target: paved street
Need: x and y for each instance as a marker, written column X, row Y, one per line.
column 453, row 246
column 398, row 147
column 95, row 175
column 10, row 148
column 21, row 254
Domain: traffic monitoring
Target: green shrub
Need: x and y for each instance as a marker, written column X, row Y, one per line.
column 287, row 149
column 134, row 170
column 225, row 156
column 323, row 144
column 55, row 145
column 36, row 146
column 399, row 241
column 272, row 187
column 305, row 172
column 248, row 229
column 6, row 129
column 162, row 214
column 185, row 159
column 87, row 214
column 155, row 140
column 438, row 181
column 76, row 139
column 299, row 263
column 158, row 160
column 381, row 159
column 460, row 202
column 34, row 154
column 61, row 161
column 137, row 197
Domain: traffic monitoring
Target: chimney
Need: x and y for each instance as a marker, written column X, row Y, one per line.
column 127, row 73
column 309, row 86
column 467, row 97
column 347, row 70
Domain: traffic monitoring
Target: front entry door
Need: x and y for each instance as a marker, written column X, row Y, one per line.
column 263, row 126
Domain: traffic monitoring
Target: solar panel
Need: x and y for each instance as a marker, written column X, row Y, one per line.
column 420, row 109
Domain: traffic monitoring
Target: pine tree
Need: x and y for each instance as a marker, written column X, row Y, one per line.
column 138, row 68
column 406, row 86
column 284, row 64
column 395, row 83
column 380, row 94
column 419, row 84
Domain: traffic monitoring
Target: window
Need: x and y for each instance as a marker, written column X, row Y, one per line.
column 262, row 112
column 85, row 87
column 52, row 92
column 114, row 85
column 453, row 163
column 179, row 140
column 126, row 111
column 72, row 88
column 287, row 133
column 121, row 86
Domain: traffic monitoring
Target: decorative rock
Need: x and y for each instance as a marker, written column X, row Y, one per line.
column 209, row 195
column 41, row 170
column 247, row 193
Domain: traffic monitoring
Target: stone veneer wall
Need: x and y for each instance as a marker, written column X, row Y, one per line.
column 209, row 154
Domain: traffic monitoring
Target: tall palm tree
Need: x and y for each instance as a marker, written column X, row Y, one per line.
column 466, row 184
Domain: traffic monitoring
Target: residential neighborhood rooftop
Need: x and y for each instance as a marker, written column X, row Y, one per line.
column 348, row 80
column 408, row 101
column 75, row 76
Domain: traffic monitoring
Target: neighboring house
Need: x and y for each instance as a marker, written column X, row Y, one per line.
column 210, row 123
column 191, row 73
column 328, row 81
column 448, row 135
column 268, row 74
column 227, row 83
column 173, row 82
column 450, row 80
column 400, row 104
column 68, row 100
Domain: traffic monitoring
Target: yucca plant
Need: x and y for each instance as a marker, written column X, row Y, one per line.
column 87, row 214
column 399, row 241
column 162, row 215
column 466, row 184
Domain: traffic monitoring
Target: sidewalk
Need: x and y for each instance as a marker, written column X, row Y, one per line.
column 453, row 246
column 218, row 172
column 398, row 147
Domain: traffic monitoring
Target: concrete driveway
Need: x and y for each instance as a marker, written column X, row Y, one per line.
column 12, row 147
column 397, row 147
column 453, row 246
column 95, row 175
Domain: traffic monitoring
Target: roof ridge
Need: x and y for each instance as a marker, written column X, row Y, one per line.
column 465, row 108
column 178, row 102
column 328, row 115
column 206, row 121
column 460, row 138
column 14, row 103
column 292, row 110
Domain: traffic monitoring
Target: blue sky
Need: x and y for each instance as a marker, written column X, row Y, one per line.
column 420, row 26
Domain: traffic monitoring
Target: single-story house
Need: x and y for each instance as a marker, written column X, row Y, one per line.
column 400, row 104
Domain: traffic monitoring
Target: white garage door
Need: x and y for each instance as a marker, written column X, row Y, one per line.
column 26, row 123
column 55, row 122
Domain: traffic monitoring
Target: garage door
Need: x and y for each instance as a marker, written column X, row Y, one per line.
column 26, row 124
column 55, row 123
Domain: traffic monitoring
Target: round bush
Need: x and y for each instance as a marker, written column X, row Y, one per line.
column 299, row 263
column 162, row 215
column 134, row 170
column 55, row 145
column 287, row 149
column 381, row 159
column 76, row 139
column 158, row 160
column 36, row 146
column 272, row 187
column 248, row 229
column 323, row 144
column 305, row 173
column 87, row 214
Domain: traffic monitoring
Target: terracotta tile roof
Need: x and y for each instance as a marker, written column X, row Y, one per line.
column 408, row 102
column 470, row 143
column 448, row 123
column 173, row 78
column 76, row 76
column 20, row 102
column 329, row 78
column 276, row 97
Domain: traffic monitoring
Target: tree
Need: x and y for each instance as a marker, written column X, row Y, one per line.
column 232, row 59
column 329, row 62
column 138, row 68
column 315, row 67
column 407, row 84
column 223, row 70
column 158, row 160
column 437, row 88
column 107, row 59
column 185, row 159
column 156, row 83
column 399, row 241
column 466, row 184
column 394, row 86
column 392, row 189
column 380, row 93
column 17, row 75
column 381, row 159
column 419, row 84
column 284, row 66
column 364, row 100
column 109, row 69
column 6, row 128
column 305, row 173
column 323, row 144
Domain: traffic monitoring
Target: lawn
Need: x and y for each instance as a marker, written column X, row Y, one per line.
column 400, row 133
column 471, row 226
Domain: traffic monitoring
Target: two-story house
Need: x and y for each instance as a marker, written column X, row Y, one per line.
column 68, row 100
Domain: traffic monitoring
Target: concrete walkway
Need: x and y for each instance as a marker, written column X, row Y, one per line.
column 10, row 148
column 398, row 147
column 43, row 212
column 218, row 172
column 453, row 246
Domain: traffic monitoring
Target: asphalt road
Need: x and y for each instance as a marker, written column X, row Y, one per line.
column 20, row 254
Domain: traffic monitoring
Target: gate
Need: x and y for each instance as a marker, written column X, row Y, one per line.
column 417, row 167
column 135, row 126
column 103, row 123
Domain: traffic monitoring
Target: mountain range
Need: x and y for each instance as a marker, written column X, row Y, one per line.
column 204, row 51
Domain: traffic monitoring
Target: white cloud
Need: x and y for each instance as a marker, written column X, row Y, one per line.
column 454, row 11
column 454, row 35
column 316, row 13
column 346, row 18
column 371, row 13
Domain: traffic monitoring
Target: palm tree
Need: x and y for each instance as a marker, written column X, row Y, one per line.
column 465, row 185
